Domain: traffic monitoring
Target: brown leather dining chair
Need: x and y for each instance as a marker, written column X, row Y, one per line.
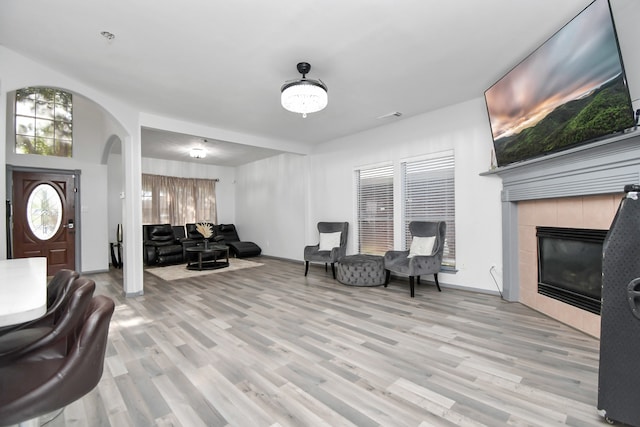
column 52, row 327
column 58, row 285
column 57, row 289
column 52, row 376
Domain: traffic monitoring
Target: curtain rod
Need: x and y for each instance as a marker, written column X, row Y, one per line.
column 183, row 177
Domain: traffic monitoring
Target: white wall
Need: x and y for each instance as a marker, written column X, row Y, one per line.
column 271, row 192
column 271, row 204
column 115, row 187
column 625, row 15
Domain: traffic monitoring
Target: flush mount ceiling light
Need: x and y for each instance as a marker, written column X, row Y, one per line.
column 304, row 95
column 198, row 153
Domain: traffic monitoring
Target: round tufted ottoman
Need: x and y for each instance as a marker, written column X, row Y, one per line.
column 361, row 270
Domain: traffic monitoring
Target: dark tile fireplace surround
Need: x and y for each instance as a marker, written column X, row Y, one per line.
column 601, row 168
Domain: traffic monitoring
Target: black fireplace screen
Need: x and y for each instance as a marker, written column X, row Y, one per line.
column 570, row 265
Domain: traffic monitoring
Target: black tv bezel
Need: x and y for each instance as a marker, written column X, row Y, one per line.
column 586, row 141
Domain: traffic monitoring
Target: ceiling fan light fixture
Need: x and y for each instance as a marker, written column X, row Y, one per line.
column 198, row 153
column 304, row 96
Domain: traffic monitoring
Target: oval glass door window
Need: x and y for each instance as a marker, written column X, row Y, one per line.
column 44, row 211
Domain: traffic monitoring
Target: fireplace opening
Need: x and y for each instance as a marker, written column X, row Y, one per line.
column 570, row 265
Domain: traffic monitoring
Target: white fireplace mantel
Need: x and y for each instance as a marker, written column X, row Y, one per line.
column 602, row 167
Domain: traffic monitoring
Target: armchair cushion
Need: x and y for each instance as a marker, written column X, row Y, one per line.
column 399, row 262
column 421, row 246
column 329, row 241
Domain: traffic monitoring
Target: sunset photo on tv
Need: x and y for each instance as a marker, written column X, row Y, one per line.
column 570, row 91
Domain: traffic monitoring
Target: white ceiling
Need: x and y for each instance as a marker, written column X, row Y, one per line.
column 221, row 64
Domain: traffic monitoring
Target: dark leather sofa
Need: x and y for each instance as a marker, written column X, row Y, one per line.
column 163, row 244
column 237, row 248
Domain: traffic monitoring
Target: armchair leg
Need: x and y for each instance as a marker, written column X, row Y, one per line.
column 437, row 284
column 325, row 266
column 411, row 286
column 417, row 280
column 387, row 276
column 306, row 268
column 333, row 270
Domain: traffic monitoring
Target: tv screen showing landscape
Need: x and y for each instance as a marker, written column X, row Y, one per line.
column 570, row 91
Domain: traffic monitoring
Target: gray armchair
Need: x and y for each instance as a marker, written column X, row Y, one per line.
column 401, row 263
column 314, row 254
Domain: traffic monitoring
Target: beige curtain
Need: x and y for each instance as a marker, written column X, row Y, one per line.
column 177, row 201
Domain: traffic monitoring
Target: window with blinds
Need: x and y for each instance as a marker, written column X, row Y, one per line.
column 375, row 209
column 429, row 195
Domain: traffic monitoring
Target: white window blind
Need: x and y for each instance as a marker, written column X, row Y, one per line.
column 429, row 195
column 375, row 210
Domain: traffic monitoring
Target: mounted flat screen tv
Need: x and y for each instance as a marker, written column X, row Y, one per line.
column 570, row 91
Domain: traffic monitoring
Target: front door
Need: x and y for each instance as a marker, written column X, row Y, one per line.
column 44, row 218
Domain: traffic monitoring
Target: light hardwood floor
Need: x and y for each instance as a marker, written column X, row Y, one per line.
column 266, row 346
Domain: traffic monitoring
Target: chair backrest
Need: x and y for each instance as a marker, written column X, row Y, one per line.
column 63, row 323
column 428, row 229
column 81, row 287
column 159, row 234
column 146, row 230
column 57, row 290
column 194, row 234
column 228, row 231
column 333, row 227
column 58, row 285
column 76, row 373
column 178, row 231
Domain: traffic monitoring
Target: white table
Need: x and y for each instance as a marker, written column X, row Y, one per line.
column 23, row 290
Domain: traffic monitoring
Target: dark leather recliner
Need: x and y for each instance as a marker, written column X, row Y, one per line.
column 237, row 248
column 161, row 245
column 51, row 377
